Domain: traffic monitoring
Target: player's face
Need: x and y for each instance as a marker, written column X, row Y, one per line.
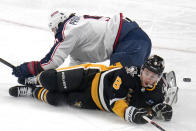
column 148, row 78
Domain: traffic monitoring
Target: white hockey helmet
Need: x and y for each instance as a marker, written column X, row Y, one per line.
column 56, row 18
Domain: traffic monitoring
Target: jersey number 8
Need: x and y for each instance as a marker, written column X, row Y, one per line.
column 117, row 83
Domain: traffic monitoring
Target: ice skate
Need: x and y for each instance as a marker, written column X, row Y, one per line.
column 18, row 91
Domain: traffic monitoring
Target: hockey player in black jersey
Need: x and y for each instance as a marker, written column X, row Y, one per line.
column 129, row 92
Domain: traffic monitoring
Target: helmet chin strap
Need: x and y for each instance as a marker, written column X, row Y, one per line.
column 150, row 87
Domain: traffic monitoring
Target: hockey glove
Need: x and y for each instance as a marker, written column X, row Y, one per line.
column 135, row 115
column 162, row 111
column 27, row 69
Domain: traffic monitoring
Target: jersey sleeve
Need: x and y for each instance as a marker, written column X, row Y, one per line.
column 119, row 91
column 120, row 107
column 123, row 82
column 118, row 102
column 75, row 62
column 66, row 39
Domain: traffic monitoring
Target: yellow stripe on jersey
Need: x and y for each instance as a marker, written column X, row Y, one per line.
column 90, row 66
column 119, row 108
column 84, row 66
column 96, row 82
column 94, row 91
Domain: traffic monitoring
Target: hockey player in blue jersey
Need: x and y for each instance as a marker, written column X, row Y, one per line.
column 91, row 39
column 128, row 92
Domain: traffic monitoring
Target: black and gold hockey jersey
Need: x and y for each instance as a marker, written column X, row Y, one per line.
column 112, row 88
column 116, row 89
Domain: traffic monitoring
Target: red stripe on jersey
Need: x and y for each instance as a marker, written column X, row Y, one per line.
column 55, row 47
column 31, row 67
column 119, row 30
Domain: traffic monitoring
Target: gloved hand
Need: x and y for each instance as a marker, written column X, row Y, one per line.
column 27, row 69
column 162, row 111
column 22, row 71
column 135, row 115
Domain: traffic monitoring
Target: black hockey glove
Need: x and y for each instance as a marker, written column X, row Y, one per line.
column 162, row 111
column 135, row 115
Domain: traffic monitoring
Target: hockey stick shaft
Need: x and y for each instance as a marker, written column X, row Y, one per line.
column 153, row 123
column 7, row 63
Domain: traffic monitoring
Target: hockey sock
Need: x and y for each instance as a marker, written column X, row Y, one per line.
column 40, row 94
column 50, row 97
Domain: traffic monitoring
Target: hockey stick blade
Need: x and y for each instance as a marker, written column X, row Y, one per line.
column 153, row 123
column 7, row 63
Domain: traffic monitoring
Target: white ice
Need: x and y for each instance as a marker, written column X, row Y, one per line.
column 24, row 36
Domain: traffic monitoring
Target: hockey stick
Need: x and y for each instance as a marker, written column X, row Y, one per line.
column 153, row 123
column 7, row 63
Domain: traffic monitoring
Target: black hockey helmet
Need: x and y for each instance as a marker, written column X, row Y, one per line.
column 155, row 64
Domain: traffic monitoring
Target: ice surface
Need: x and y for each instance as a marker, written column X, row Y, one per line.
column 24, row 36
